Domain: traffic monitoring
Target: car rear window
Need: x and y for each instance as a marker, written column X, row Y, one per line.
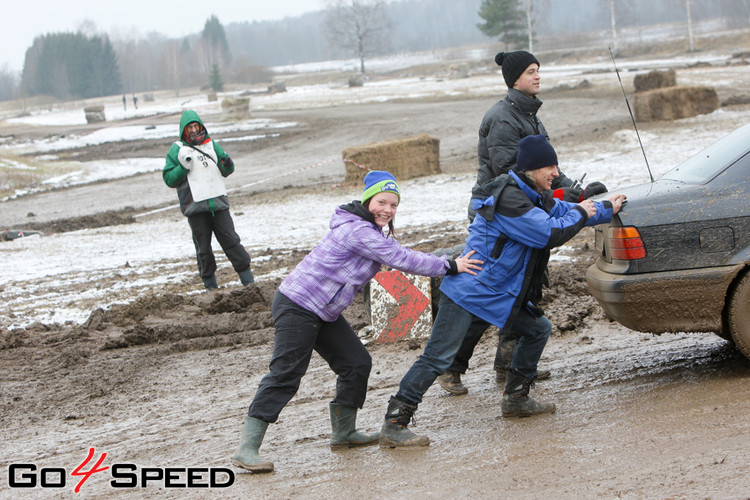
column 705, row 165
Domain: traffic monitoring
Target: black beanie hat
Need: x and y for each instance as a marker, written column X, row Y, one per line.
column 513, row 64
column 535, row 151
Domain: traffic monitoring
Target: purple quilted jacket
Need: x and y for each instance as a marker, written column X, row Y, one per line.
column 329, row 277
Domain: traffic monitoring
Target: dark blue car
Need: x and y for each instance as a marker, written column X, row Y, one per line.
column 677, row 257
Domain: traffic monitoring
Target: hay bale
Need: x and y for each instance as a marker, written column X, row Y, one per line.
column 736, row 100
column 458, row 72
column 405, row 158
column 95, row 114
column 356, row 80
column 655, row 80
column 673, row 103
column 235, row 108
column 212, row 97
column 277, row 87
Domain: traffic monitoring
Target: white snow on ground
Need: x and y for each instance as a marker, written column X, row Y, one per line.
column 29, row 265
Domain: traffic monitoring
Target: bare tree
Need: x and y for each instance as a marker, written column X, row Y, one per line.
column 736, row 13
column 8, row 83
column 690, row 26
column 171, row 66
column 622, row 11
column 687, row 5
column 358, row 26
column 531, row 9
column 613, row 23
column 528, row 9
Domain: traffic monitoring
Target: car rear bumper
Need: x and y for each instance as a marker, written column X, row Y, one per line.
column 674, row 301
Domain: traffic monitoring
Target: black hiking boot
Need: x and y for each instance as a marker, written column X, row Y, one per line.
column 394, row 432
column 451, row 382
column 516, row 399
column 500, row 375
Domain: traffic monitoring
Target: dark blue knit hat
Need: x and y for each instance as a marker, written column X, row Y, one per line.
column 535, row 151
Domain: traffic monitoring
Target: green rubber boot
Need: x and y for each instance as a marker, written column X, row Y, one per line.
column 343, row 425
column 246, row 277
column 210, row 282
column 394, row 433
column 247, row 455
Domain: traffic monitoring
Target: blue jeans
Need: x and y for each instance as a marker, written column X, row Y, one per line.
column 534, row 333
column 451, row 324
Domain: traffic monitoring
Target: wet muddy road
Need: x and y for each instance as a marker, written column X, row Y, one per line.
column 638, row 417
column 167, row 385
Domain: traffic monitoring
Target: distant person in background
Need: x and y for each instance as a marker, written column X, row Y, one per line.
column 124, row 103
column 135, row 101
column 196, row 166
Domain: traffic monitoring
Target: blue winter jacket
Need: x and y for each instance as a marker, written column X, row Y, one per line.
column 513, row 231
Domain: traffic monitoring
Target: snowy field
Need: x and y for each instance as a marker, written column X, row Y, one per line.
column 38, row 274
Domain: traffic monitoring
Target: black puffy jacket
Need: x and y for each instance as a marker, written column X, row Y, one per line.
column 504, row 124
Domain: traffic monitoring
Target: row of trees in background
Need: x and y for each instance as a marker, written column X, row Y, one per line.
column 517, row 22
column 89, row 63
column 71, row 65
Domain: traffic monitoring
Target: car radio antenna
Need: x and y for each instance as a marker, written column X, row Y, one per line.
column 631, row 114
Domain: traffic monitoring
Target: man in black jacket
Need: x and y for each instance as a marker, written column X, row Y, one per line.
column 507, row 122
column 513, row 118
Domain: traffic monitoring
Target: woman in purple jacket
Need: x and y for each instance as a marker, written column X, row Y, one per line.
column 307, row 315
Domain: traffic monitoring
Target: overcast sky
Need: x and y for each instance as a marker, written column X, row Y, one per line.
column 26, row 19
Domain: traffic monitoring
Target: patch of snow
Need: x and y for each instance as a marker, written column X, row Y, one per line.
column 43, row 275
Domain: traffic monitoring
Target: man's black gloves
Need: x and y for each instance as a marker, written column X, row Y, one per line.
column 593, row 189
column 227, row 163
column 577, row 195
column 571, row 194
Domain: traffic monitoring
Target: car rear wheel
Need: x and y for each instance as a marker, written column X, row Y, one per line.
column 739, row 315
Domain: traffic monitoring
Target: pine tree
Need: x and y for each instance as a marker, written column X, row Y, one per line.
column 215, row 80
column 214, row 41
column 71, row 65
column 503, row 19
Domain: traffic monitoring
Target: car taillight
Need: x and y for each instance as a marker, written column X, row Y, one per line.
column 625, row 243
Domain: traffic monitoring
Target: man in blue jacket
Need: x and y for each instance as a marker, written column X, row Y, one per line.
column 517, row 222
column 507, row 122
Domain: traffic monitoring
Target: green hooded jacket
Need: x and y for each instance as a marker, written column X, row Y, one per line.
column 175, row 175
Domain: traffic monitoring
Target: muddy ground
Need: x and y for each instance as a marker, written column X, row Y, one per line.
column 165, row 380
